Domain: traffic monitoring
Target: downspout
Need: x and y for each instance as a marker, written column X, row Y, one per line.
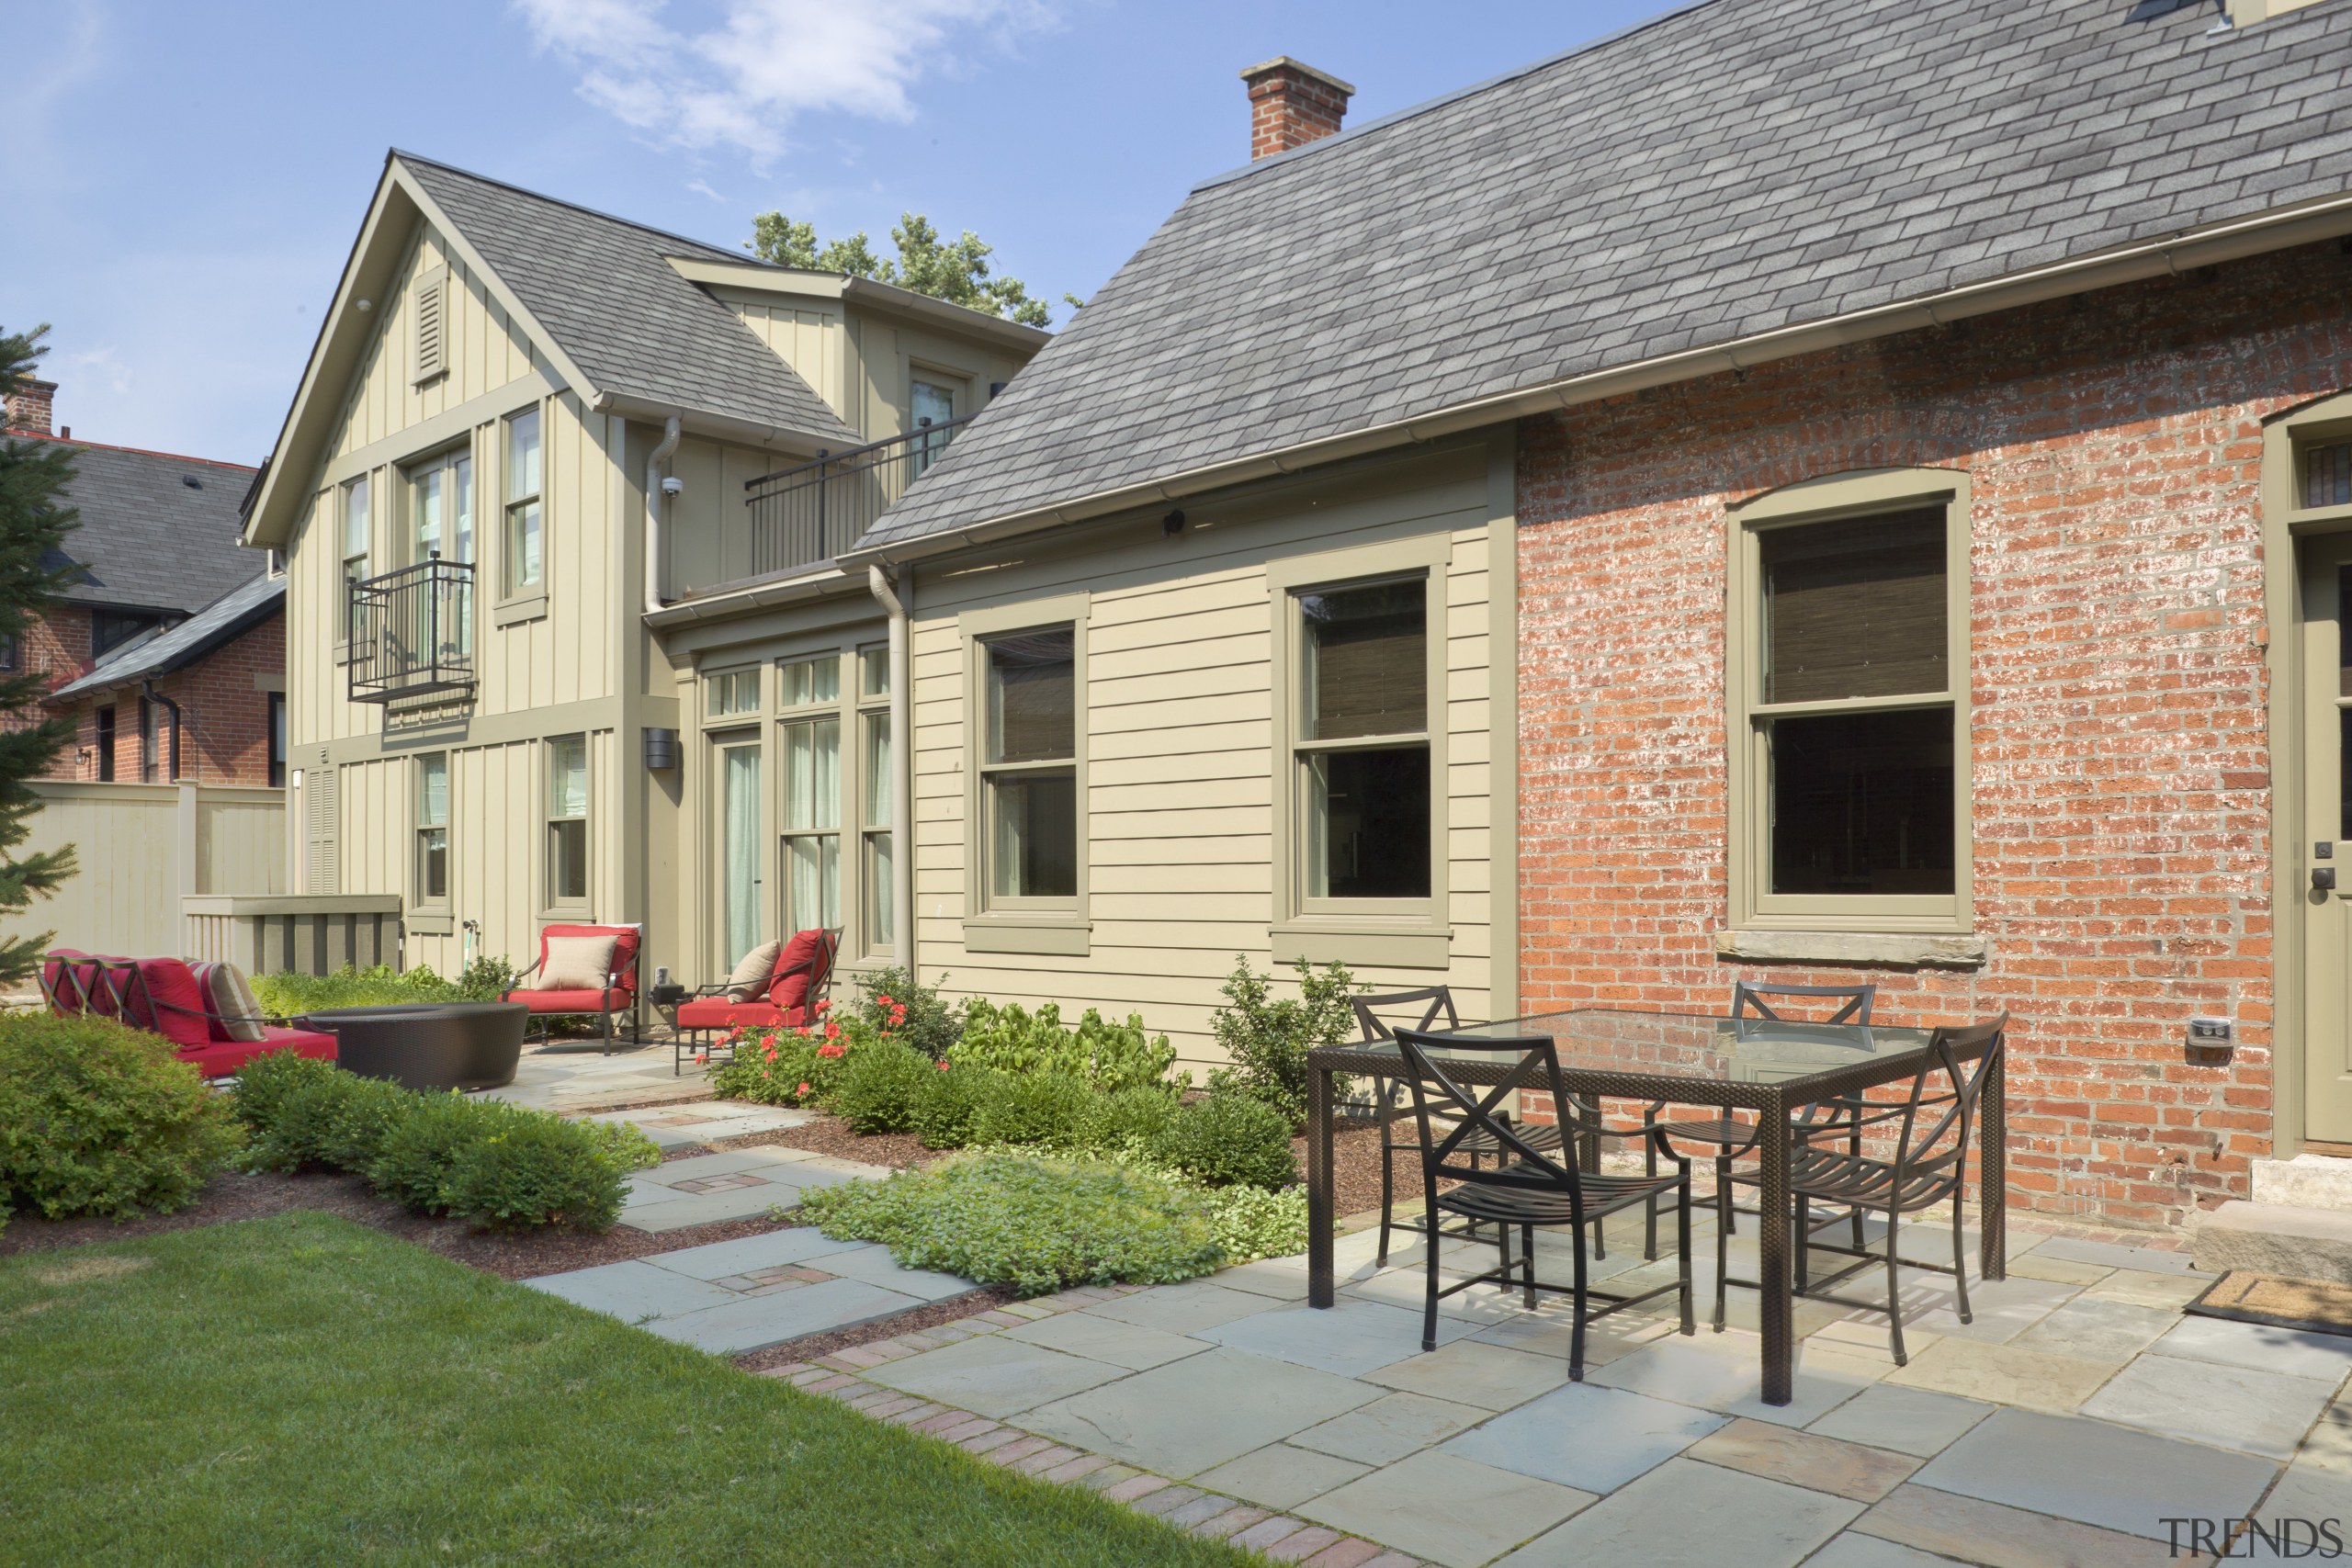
column 653, row 513
column 902, row 764
column 147, row 689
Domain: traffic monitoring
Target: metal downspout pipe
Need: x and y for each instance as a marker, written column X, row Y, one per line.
column 894, row 598
column 653, row 513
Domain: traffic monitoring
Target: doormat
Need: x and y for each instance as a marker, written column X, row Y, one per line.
column 2317, row 1306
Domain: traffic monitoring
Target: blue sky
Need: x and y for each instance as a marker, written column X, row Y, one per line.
column 184, row 179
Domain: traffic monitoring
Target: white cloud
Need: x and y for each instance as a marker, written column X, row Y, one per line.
column 742, row 80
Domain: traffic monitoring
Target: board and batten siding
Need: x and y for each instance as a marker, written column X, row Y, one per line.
column 1178, row 713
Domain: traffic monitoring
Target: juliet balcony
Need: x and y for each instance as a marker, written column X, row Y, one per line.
column 411, row 632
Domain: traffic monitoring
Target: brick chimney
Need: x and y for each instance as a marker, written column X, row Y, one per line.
column 1292, row 104
column 29, row 407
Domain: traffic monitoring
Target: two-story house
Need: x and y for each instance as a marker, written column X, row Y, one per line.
column 539, row 498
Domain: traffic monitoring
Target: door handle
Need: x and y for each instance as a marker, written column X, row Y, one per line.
column 2323, row 878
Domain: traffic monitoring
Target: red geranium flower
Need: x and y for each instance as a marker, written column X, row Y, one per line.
column 829, row 1051
column 803, row 1090
column 832, row 1031
column 942, row 1066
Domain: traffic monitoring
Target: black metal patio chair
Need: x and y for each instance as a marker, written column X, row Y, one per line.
column 1524, row 1187
column 1926, row 1168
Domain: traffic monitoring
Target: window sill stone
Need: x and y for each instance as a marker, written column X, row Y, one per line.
column 514, row 612
column 1909, row 950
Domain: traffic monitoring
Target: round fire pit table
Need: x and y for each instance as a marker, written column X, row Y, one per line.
column 429, row 1044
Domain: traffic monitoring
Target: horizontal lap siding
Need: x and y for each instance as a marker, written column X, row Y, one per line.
column 1178, row 711
column 2122, row 870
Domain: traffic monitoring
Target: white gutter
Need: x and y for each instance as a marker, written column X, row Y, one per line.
column 2327, row 218
column 894, row 598
column 653, row 513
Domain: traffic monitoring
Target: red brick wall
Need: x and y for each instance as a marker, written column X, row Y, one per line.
column 2121, row 760
column 224, row 717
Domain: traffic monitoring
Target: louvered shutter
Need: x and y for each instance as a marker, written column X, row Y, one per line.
column 433, row 323
column 319, row 822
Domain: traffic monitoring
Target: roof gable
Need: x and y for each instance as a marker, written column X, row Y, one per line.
column 1734, row 169
column 155, row 532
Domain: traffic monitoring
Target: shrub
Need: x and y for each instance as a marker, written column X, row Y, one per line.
column 1267, row 1040
column 943, row 1108
column 878, row 1086
column 486, row 979
column 98, row 1118
column 625, row 1144
column 1038, row 1112
column 891, row 1001
column 1127, row 1122
column 411, row 1165
column 288, row 994
column 1014, row 1040
column 791, row 1066
column 1037, row 1225
column 1228, row 1140
column 524, row 1170
column 300, row 1112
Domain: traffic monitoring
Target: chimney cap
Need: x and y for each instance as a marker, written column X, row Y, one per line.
column 1284, row 63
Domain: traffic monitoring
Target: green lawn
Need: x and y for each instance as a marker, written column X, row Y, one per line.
column 300, row 1390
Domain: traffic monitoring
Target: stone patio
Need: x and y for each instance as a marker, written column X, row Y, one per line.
column 2075, row 1415
column 573, row 1075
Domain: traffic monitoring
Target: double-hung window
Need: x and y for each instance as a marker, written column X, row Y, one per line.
column 568, row 820
column 809, row 691
column 1362, row 746
column 1848, row 677
column 526, row 540
column 277, row 705
column 1029, row 768
column 875, row 847
column 433, row 828
column 357, row 536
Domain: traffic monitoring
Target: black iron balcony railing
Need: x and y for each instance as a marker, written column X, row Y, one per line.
column 411, row 632
column 810, row 514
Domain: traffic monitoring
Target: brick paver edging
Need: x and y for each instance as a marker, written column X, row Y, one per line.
column 1207, row 1514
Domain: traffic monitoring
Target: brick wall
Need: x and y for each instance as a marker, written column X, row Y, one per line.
column 224, row 717
column 2121, row 759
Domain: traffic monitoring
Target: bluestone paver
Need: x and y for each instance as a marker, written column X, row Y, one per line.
column 2207, row 1401
column 634, row 1289
column 1590, row 1437
column 1351, row 1337
column 753, row 1323
column 1280, row 1476
column 1446, row 1508
column 2095, row 1473
column 1186, row 1417
column 995, row 1376
column 1907, row 1420
column 1688, row 1515
column 1107, row 1339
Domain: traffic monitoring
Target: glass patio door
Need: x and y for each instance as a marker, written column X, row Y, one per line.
column 2326, row 844
column 739, row 859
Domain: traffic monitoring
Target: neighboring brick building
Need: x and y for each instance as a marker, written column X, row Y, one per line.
column 155, row 544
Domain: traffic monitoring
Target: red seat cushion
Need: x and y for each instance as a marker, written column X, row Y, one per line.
column 717, row 1012
column 794, row 975
column 219, row 1058
column 178, row 1011
column 572, row 1001
column 625, row 943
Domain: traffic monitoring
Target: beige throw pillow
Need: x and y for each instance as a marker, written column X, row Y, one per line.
column 751, row 975
column 577, row 963
column 233, row 1000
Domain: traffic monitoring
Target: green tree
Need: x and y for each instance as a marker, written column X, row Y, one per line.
column 33, row 525
column 955, row 270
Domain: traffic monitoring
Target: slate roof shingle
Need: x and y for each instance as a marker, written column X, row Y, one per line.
column 601, row 288
column 159, row 652
column 147, row 538
column 1731, row 168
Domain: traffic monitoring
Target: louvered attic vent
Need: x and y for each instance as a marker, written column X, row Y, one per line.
column 433, row 325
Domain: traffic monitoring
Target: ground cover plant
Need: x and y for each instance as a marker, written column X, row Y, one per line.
column 98, row 1118
column 500, row 1166
column 289, row 994
column 1041, row 1224
column 301, row 1389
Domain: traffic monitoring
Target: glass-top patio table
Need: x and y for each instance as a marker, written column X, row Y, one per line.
column 1755, row 1065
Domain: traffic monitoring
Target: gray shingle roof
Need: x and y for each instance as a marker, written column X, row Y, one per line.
column 603, row 290
column 1735, row 167
column 149, row 539
column 184, row 642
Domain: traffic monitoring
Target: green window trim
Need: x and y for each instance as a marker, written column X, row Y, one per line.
column 1859, row 496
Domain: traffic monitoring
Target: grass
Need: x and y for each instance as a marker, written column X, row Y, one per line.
column 301, row 1390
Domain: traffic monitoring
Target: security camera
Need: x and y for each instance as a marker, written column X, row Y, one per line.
column 672, row 485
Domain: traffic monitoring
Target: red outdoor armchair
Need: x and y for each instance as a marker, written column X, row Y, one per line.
column 615, row 996
column 804, row 968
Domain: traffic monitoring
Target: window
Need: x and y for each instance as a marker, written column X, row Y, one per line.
column 1849, row 683
column 11, row 659
column 811, row 815
column 526, row 565
column 277, row 740
column 2326, row 474
column 1362, row 745
column 433, row 828
column 106, row 744
column 1028, row 770
column 930, row 405
column 355, row 537
column 441, row 508
column 274, row 562
column 109, row 629
column 568, row 819
column 874, row 839
column 731, row 692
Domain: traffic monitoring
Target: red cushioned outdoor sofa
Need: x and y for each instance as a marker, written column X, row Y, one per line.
column 804, row 968
column 617, row 995
column 163, row 997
